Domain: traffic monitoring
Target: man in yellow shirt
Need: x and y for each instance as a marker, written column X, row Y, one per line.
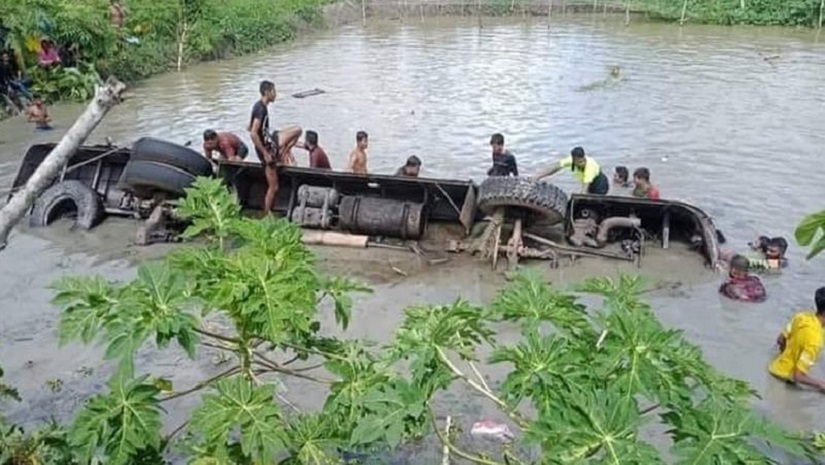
column 800, row 344
column 585, row 169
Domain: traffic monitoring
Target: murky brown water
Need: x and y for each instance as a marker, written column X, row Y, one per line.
column 714, row 120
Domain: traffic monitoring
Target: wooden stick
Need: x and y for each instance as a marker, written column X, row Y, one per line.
column 106, row 97
column 446, row 448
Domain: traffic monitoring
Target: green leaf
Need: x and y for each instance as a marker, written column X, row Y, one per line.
column 809, row 227
column 390, row 408
column 122, row 423
column 88, row 304
column 251, row 410
column 311, row 440
column 817, row 248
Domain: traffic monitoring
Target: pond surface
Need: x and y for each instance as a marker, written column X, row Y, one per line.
column 729, row 118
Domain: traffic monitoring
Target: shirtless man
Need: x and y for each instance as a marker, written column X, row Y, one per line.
column 38, row 114
column 271, row 148
column 358, row 156
column 228, row 145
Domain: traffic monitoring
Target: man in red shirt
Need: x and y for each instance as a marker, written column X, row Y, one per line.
column 317, row 157
column 644, row 189
column 228, row 145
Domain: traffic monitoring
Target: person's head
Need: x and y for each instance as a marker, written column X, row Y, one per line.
column 497, row 143
column 776, row 248
column 413, row 166
column 267, row 90
column 311, row 139
column 738, row 267
column 37, row 99
column 641, row 176
column 620, row 175
column 579, row 158
column 760, row 243
column 819, row 299
column 5, row 56
column 46, row 44
column 210, row 139
column 362, row 139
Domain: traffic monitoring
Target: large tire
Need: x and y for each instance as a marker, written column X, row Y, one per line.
column 146, row 178
column 65, row 198
column 168, row 153
column 535, row 201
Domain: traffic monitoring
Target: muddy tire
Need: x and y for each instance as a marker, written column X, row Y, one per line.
column 146, row 178
column 68, row 198
column 532, row 200
column 168, row 153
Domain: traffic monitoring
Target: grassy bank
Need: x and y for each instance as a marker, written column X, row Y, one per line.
column 157, row 36
column 802, row 13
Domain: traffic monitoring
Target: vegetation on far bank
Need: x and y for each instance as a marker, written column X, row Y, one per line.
column 592, row 377
column 157, row 36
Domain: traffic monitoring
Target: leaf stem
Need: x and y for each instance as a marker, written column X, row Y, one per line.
column 447, row 443
column 478, row 375
column 217, row 336
column 518, row 418
column 174, row 433
column 279, row 369
column 202, row 384
column 314, row 351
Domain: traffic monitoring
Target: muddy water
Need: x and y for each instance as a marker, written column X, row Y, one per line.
column 728, row 118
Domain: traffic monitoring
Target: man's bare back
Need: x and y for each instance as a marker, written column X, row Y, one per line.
column 38, row 114
column 358, row 161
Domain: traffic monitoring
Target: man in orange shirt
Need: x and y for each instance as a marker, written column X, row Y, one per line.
column 644, row 189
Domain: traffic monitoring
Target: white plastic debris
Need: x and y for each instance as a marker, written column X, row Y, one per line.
column 492, row 429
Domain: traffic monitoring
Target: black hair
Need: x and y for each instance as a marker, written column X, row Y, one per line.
column 311, row 137
column 266, row 86
column 413, row 161
column 210, row 134
column 577, row 152
column 780, row 243
column 642, row 173
column 622, row 172
column 497, row 139
column 361, row 135
column 762, row 243
column 819, row 299
column 739, row 262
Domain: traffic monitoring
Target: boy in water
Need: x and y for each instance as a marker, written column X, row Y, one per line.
column 773, row 258
column 740, row 285
column 504, row 163
column 644, row 189
column 411, row 168
column 358, row 157
column 38, row 114
column 620, row 177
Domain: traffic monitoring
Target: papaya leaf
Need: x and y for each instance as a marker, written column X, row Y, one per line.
column 312, row 440
column 339, row 290
column 121, row 423
column 809, row 228
column 390, row 408
column 88, row 303
column 238, row 405
column 210, row 208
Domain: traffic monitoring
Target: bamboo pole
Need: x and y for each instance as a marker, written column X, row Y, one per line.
column 627, row 12
column 821, row 13
column 363, row 12
column 106, row 97
column 549, row 11
column 684, row 12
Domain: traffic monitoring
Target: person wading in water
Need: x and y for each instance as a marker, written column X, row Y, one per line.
column 800, row 344
column 584, row 168
column 271, row 149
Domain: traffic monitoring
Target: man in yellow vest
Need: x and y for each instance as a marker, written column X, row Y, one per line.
column 800, row 344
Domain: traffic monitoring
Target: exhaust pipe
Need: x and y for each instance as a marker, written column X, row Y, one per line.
column 615, row 222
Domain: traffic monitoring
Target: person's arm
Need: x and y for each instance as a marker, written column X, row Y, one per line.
column 300, row 145
column 807, row 359
column 555, row 168
column 206, row 152
column 513, row 165
column 782, row 341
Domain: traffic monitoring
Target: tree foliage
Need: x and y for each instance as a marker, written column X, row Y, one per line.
column 582, row 384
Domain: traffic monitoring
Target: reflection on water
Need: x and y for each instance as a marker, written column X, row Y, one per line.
column 714, row 121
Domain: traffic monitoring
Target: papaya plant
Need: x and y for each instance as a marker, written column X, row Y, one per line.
column 582, row 383
column 811, row 233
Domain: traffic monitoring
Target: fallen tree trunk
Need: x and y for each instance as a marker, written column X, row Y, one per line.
column 106, row 97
